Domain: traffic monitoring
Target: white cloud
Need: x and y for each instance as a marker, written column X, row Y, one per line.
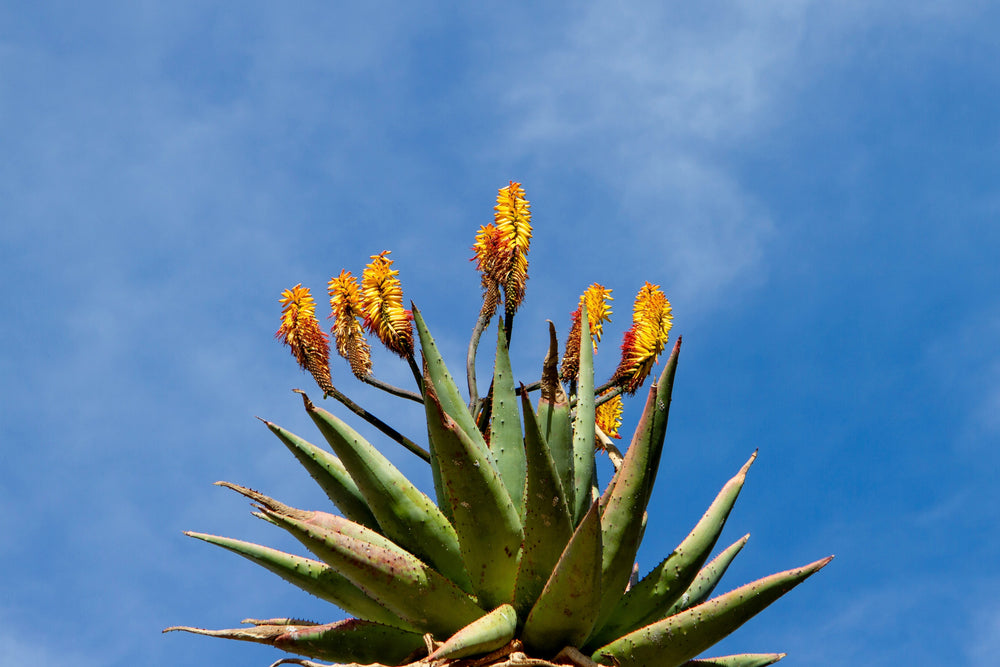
column 641, row 98
column 648, row 102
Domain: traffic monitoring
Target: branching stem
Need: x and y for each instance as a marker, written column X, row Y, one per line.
column 485, row 315
column 391, row 389
column 378, row 423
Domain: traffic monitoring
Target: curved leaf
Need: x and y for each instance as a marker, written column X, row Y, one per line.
column 708, row 578
column 488, row 527
column 584, row 460
column 648, row 600
column 554, row 420
column 312, row 576
column 741, row 660
column 548, row 526
column 664, row 391
column 506, row 441
column 567, row 607
column 321, row 521
column 447, row 391
column 330, row 474
column 405, row 514
column 353, row 640
column 397, row 579
column 622, row 515
column 483, row 635
column 674, row 640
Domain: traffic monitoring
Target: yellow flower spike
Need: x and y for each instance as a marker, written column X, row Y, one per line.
column 512, row 217
column 598, row 312
column 345, row 304
column 301, row 332
column 609, row 417
column 652, row 319
column 501, row 250
column 382, row 305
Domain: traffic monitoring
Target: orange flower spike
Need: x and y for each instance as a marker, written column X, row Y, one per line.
column 492, row 251
column 512, row 217
column 609, row 417
column 491, row 255
column 652, row 319
column 598, row 312
column 345, row 304
column 382, row 305
column 301, row 332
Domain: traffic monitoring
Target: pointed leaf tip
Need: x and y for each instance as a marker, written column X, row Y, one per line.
column 483, row 635
column 676, row 639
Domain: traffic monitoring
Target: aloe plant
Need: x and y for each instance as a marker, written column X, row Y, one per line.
column 521, row 558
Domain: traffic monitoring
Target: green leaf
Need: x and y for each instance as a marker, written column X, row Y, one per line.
column 584, row 460
column 312, row 576
column 708, row 578
column 322, row 521
column 404, row 513
column 653, row 426
column 567, row 607
column 440, row 380
column 648, row 600
column 554, row 417
column 488, row 526
column 352, row 641
column 330, row 474
column 622, row 516
column 447, row 391
column 548, row 525
column 506, row 441
column 483, row 635
column 664, row 390
column 741, row 660
column 676, row 639
column 399, row 580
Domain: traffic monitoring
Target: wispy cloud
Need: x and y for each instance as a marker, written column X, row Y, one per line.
column 641, row 100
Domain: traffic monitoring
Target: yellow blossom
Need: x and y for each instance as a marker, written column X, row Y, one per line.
column 501, row 249
column 382, row 305
column 609, row 416
column 301, row 332
column 345, row 304
column 598, row 312
column 652, row 318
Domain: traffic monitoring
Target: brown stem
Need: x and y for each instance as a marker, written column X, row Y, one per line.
column 485, row 315
column 378, row 423
column 391, row 389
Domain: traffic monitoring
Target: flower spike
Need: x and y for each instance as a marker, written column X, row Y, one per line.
column 609, row 417
column 513, row 219
column 652, row 319
column 301, row 332
column 501, row 250
column 382, row 305
column 491, row 256
column 345, row 303
column 598, row 312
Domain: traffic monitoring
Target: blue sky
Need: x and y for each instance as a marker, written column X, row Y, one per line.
column 813, row 184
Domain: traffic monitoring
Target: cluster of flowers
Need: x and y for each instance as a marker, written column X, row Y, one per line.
column 501, row 256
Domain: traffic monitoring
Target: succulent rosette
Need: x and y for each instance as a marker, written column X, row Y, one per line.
column 520, row 557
